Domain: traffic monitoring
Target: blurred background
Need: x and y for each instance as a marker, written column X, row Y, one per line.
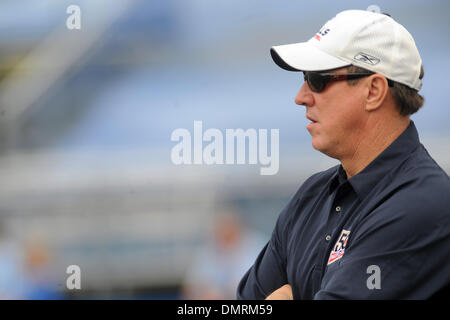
column 86, row 118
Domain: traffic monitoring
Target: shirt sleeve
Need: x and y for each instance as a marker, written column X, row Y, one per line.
column 399, row 251
column 268, row 273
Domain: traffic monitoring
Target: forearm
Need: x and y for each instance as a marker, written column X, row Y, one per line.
column 283, row 293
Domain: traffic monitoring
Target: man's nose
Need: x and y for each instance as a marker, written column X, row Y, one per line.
column 304, row 96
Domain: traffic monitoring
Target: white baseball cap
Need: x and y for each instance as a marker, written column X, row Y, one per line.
column 361, row 38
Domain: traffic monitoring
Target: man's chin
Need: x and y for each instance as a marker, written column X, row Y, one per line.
column 316, row 144
column 324, row 148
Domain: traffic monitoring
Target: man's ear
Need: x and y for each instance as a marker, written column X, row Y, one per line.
column 378, row 87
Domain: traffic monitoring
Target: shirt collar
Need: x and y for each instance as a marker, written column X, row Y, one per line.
column 393, row 155
column 338, row 178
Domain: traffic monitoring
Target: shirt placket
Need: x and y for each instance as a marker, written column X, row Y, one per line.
column 335, row 212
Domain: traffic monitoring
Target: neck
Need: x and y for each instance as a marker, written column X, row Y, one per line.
column 369, row 145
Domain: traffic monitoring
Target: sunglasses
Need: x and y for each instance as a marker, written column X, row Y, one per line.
column 317, row 82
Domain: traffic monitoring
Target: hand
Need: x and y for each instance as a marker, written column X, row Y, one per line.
column 283, row 293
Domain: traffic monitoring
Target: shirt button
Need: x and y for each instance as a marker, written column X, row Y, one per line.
column 328, row 238
column 338, row 208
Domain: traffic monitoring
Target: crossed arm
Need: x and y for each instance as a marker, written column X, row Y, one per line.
column 282, row 293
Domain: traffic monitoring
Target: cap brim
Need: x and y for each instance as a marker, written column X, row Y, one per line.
column 304, row 56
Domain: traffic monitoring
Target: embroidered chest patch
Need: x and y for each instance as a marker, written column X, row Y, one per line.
column 339, row 247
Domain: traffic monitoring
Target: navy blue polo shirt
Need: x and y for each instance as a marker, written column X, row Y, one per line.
column 382, row 234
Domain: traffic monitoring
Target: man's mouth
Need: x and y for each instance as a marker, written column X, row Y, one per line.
column 313, row 120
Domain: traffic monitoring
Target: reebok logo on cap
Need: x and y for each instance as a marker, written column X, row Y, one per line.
column 366, row 58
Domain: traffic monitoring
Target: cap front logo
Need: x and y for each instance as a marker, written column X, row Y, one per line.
column 322, row 33
column 367, row 58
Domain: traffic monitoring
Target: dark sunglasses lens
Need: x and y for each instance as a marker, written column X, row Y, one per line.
column 316, row 81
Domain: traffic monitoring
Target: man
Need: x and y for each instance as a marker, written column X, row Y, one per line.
column 377, row 226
